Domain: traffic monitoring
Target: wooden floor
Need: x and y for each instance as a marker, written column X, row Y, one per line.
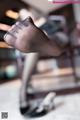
column 67, row 107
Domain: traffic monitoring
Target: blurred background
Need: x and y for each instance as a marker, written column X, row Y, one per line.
column 62, row 74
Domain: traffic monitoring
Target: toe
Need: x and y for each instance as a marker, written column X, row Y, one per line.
column 9, row 38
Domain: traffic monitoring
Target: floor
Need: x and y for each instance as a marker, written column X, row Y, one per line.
column 67, row 107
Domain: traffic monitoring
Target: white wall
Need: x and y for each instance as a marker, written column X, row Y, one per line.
column 76, row 8
column 44, row 5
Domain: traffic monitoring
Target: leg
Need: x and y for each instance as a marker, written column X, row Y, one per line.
column 30, row 63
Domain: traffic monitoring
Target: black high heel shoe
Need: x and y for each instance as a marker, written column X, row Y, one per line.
column 45, row 106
